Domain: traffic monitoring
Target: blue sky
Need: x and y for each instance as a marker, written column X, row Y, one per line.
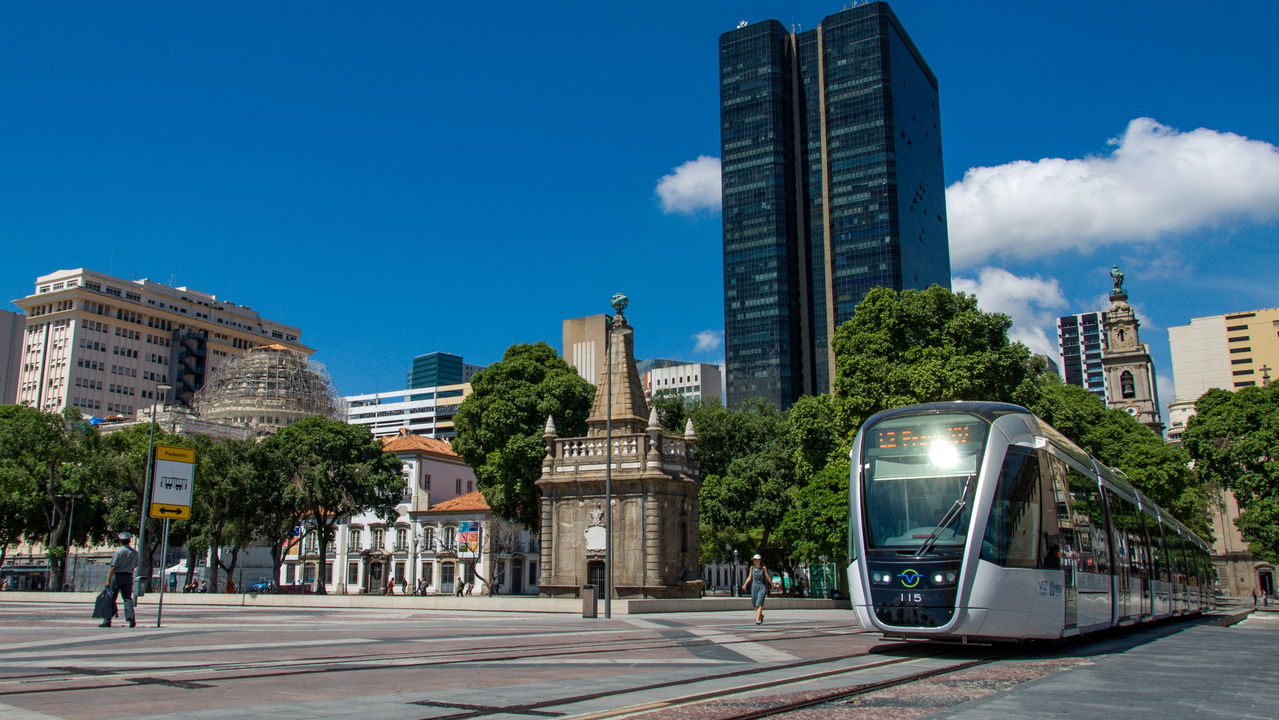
column 397, row 178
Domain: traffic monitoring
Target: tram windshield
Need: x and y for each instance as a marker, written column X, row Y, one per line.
column 918, row 475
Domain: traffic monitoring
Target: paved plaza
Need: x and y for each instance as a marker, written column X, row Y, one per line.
column 372, row 663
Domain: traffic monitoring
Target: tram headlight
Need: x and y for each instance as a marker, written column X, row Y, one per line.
column 944, row 578
column 880, row 578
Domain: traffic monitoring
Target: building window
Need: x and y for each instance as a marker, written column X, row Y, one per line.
column 353, row 573
column 353, row 537
column 532, row 572
column 379, row 539
column 401, row 539
column 428, row 572
column 428, row 538
column 425, row 482
column 450, row 538
column 457, row 488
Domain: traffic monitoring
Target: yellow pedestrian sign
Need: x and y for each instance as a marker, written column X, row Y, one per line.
column 172, row 482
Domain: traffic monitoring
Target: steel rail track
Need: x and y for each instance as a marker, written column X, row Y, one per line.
column 371, row 661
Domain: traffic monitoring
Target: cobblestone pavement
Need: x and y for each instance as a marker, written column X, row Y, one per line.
column 235, row 662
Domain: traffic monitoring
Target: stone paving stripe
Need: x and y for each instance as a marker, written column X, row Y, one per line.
column 83, row 670
column 487, row 709
column 185, row 685
column 755, row 651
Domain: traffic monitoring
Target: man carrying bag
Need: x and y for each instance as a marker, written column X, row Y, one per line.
column 120, row 580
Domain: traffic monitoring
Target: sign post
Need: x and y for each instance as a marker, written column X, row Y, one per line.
column 173, row 481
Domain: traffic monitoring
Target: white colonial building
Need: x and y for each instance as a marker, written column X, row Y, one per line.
column 444, row 533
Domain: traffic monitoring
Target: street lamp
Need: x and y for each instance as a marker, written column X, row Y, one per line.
column 161, row 389
column 70, row 524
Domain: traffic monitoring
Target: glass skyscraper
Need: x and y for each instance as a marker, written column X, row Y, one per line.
column 832, row 183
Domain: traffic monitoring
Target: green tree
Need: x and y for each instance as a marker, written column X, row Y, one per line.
column 499, row 427
column 915, row 346
column 120, row 472
column 335, row 470
column 816, row 523
column 278, row 512
column 1159, row 470
column 748, row 473
column 45, row 458
column 1234, row 441
column 223, row 520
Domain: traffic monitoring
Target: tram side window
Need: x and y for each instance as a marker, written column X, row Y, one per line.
column 1125, row 522
column 1089, row 520
column 1012, row 530
column 1158, row 552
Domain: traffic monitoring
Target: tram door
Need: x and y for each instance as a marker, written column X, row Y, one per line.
column 1069, row 556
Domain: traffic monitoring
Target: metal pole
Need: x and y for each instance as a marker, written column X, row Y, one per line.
column 146, row 504
column 70, row 523
column 608, row 480
column 164, row 560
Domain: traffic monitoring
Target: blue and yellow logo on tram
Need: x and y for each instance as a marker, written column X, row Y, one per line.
column 909, row 578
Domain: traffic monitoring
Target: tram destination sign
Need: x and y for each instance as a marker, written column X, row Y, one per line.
column 172, row 482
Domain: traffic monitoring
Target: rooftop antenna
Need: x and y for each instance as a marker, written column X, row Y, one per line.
column 742, row 24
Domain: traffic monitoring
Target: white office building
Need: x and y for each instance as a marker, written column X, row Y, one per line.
column 691, row 381
column 421, row 411
column 102, row 344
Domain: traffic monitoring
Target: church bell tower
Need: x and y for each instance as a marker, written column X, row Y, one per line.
column 1130, row 373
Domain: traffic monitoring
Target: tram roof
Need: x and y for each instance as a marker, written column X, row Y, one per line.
column 984, row 409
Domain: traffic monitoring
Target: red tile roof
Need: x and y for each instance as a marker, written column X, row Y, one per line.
column 418, row 443
column 469, row 502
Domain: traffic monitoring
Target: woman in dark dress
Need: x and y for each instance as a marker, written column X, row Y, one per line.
column 758, row 583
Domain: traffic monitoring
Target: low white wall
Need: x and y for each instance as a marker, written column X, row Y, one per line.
column 475, row 603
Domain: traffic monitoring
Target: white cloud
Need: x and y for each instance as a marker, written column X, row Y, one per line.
column 692, row 188
column 1156, row 181
column 1032, row 302
column 708, row 341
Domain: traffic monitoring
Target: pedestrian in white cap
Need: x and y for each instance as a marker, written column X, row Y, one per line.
column 120, row 577
column 758, row 582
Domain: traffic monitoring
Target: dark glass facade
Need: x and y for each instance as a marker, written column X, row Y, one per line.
column 832, row 182
column 435, row 369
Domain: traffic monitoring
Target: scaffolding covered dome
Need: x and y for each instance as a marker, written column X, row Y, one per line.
column 268, row 388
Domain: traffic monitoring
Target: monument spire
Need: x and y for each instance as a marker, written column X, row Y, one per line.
column 630, row 410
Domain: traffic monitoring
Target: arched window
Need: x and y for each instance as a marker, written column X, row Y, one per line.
column 450, row 538
column 1126, row 387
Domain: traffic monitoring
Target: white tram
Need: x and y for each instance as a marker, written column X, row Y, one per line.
column 977, row 520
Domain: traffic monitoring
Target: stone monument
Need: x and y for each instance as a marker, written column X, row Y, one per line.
column 654, row 492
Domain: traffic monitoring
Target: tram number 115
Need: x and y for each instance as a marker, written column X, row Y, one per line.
column 911, row 597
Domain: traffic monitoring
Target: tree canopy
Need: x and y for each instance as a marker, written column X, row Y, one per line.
column 914, row 346
column 1233, row 439
column 500, row 425
column 334, row 470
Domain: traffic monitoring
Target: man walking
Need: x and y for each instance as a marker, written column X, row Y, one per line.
column 120, row 577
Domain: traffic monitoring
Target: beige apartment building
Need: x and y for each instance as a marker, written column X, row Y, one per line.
column 1231, row 351
column 1224, row 351
column 585, row 341
column 102, row 344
